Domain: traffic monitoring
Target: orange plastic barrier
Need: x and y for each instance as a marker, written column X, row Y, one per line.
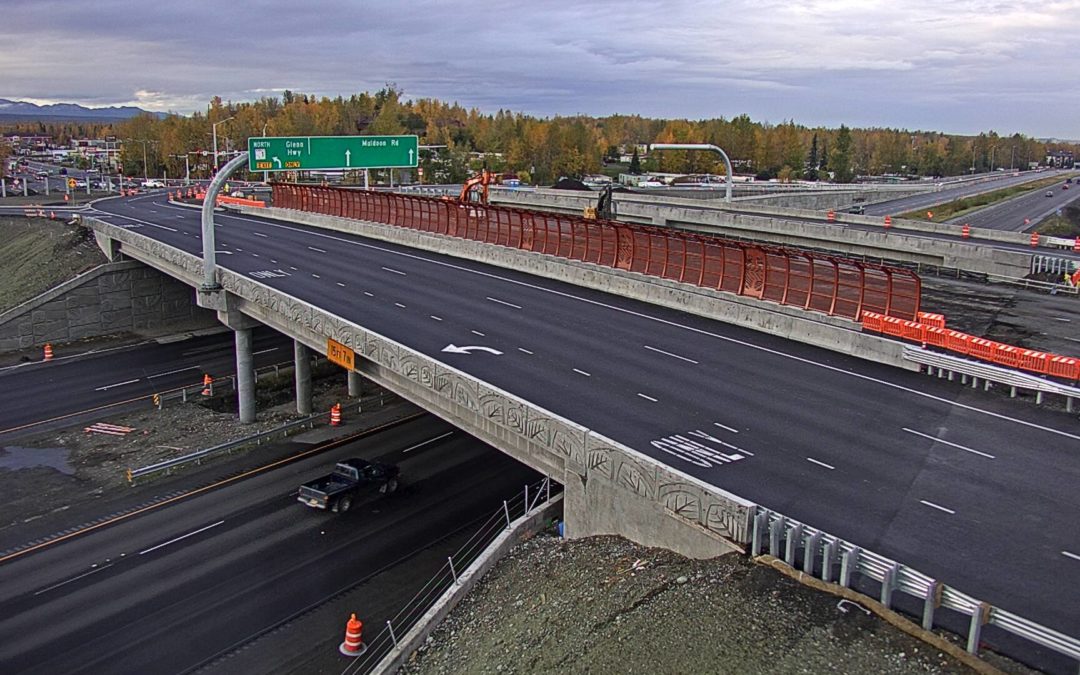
column 1063, row 366
column 1033, row 361
column 958, row 342
column 937, row 336
column 890, row 325
column 937, row 320
column 237, row 201
column 981, row 348
column 1006, row 355
column 872, row 321
column 913, row 330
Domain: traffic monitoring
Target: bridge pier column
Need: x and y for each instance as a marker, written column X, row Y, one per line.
column 242, row 326
column 302, row 368
column 356, row 384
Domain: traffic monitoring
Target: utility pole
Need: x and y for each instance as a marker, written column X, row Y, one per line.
column 213, row 129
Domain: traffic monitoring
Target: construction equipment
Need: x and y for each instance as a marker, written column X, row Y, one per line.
column 478, row 183
column 605, row 206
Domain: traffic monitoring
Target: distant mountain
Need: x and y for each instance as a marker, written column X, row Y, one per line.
column 22, row 110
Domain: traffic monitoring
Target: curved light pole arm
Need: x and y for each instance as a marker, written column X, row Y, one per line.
column 209, row 260
column 699, row 146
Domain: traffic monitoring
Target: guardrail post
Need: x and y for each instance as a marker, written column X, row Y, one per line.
column 828, row 559
column 888, row 584
column 793, row 541
column 848, row 564
column 1068, row 404
column 978, row 618
column 810, row 553
column 1038, row 398
column 393, row 638
column 776, row 528
column 930, row 603
column 506, row 510
column 453, row 573
column 761, row 522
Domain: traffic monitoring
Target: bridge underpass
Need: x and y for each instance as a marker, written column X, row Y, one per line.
column 619, row 488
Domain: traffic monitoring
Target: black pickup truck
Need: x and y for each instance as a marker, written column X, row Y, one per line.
column 352, row 480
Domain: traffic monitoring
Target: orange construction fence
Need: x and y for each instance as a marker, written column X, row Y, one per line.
column 237, row 201
column 1030, row 360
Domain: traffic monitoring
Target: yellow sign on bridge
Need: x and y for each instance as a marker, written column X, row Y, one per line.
column 340, row 354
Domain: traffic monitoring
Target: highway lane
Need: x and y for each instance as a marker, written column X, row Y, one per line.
column 919, row 469
column 1023, row 212
column 40, row 391
column 895, row 207
column 174, row 586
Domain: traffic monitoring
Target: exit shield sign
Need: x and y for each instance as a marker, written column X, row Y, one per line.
column 303, row 153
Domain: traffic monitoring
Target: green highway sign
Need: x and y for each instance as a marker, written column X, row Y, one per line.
column 303, row 153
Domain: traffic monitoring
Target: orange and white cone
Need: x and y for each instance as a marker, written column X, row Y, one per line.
column 208, row 385
column 48, row 352
column 354, row 643
column 335, row 415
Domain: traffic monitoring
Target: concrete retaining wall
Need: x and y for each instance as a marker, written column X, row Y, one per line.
column 613, row 489
column 117, row 297
column 833, row 333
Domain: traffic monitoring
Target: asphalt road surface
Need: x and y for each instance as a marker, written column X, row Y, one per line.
column 976, row 490
column 41, row 391
column 1023, row 212
column 949, row 193
column 176, row 585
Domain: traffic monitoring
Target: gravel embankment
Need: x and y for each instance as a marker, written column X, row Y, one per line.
column 606, row 605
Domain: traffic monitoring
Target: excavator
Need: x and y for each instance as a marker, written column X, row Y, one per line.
column 605, row 206
column 475, row 190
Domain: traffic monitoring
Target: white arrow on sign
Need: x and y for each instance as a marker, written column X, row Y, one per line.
column 410, row 155
column 348, row 155
column 453, row 349
column 277, row 161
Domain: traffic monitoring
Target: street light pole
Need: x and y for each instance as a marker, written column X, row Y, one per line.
column 699, row 146
column 214, row 127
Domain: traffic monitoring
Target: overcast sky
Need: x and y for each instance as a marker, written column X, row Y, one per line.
column 943, row 65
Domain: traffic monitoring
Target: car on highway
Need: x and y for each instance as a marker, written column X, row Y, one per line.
column 1049, row 193
column 351, row 480
column 42, row 174
column 1064, row 187
column 152, row 183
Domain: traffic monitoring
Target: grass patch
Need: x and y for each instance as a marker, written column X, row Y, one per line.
column 38, row 254
column 959, row 207
column 1065, row 225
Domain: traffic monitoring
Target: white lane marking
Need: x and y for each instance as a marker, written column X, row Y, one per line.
column 317, row 250
column 437, row 318
column 171, row 372
column 827, row 466
column 182, row 537
column 255, row 255
column 1062, row 319
column 525, row 350
column 430, row 440
column 935, row 506
column 395, row 271
column 239, row 249
column 293, row 268
column 316, row 276
column 700, row 331
column 661, row 351
column 398, row 304
column 118, row 384
column 146, row 222
column 955, row 445
column 81, row 576
column 265, row 351
column 341, row 284
column 647, row 398
column 582, row 372
column 272, row 261
column 503, row 302
column 370, row 295
column 260, row 234
column 476, row 332
column 1070, row 555
column 725, row 428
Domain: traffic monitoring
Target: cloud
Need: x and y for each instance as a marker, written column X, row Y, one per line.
column 916, row 64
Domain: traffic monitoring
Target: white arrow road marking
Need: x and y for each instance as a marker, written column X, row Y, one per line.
column 453, row 349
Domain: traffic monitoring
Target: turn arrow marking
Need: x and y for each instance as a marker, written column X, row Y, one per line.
column 453, row 349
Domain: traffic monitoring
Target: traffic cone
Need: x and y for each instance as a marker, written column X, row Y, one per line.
column 208, row 385
column 353, row 644
column 335, row 415
column 888, row 222
column 48, row 352
column 52, row 215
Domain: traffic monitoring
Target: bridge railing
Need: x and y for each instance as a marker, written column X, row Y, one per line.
column 813, row 281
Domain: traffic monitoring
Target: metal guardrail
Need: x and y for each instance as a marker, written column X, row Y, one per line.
column 257, row 439
column 381, row 649
column 947, row 365
column 793, row 542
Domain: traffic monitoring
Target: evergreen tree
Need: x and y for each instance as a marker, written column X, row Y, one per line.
column 812, row 161
column 841, row 157
column 635, row 164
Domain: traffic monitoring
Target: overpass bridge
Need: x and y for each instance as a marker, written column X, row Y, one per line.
column 672, row 429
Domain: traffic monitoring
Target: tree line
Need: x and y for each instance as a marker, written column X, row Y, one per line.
column 541, row 150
